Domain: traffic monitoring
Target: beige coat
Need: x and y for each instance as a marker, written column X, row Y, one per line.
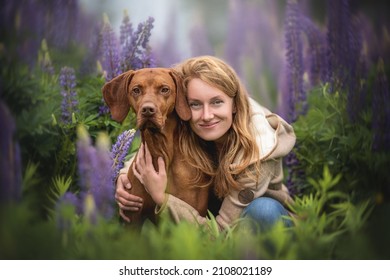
column 275, row 138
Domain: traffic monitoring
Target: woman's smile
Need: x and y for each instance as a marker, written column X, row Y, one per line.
column 209, row 125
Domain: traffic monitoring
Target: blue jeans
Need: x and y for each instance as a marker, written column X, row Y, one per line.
column 265, row 212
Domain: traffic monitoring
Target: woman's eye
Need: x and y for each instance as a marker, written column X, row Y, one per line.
column 194, row 105
column 136, row 91
column 165, row 90
column 218, row 102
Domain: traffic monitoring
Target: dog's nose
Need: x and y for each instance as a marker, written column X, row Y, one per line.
column 148, row 110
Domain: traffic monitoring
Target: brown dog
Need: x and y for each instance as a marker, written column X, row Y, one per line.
column 156, row 97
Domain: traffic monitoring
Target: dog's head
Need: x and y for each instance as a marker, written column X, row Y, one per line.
column 153, row 93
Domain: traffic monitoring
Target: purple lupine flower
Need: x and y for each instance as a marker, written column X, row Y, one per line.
column 294, row 47
column 295, row 172
column 339, row 26
column 317, row 51
column 265, row 56
column 10, row 160
column 166, row 51
column 103, row 109
column 381, row 111
column 30, row 30
column 295, row 95
column 94, row 51
column 86, row 159
column 344, row 43
column 110, row 51
column 357, row 91
column 148, row 59
column 283, row 109
column 119, row 151
column 126, row 41
column 236, row 25
column 63, row 220
column 133, row 52
column 103, row 192
column 94, row 166
column 126, row 30
column 73, row 199
column 69, row 96
column 64, row 17
column 144, row 32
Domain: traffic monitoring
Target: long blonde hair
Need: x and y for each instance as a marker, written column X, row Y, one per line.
column 240, row 148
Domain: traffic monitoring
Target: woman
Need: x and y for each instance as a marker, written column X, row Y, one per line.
column 232, row 138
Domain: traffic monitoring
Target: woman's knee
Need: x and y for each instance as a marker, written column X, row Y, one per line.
column 266, row 212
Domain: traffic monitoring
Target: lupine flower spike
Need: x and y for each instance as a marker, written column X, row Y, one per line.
column 294, row 47
column 69, row 95
column 110, row 50
column 119, row 151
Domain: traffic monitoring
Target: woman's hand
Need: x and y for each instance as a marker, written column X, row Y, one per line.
column 155, row 182
column 126, row 201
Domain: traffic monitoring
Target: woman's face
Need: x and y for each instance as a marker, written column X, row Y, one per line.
column 212, row 110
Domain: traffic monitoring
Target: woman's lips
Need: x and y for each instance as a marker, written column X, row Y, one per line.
column 208, row 125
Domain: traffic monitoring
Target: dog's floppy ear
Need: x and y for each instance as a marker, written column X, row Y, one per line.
column 115, row 95
column 181, row 105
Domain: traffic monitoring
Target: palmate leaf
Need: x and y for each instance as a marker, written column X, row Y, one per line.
column 59, row 187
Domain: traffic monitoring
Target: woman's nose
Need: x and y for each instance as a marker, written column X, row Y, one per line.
column 207, row 113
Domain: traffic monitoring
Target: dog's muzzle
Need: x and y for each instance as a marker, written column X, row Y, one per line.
column 148, row 118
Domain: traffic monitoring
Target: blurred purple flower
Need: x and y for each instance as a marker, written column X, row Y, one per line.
column 296, row 173
column 69, row 96
column 339, row 32
column 86, row 159
column 10, row 160
column 126, row 30
column 294, row 52
column 103, row 191
column 24, row 24
column 88, row 65
column 110, row 51
column 119, row 151
column 166, row 51
column 103, row 109
column 236, row 34
column 317, row 56
column 254, row 46
column 345, row 67
column 64, row 221
column 64, row 18
column 381, row 111
column 94, row 168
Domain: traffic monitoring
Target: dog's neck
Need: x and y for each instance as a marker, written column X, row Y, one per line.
column 160, row 142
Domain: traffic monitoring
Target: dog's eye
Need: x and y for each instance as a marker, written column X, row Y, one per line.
column 164, row 90
column 136, row 91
